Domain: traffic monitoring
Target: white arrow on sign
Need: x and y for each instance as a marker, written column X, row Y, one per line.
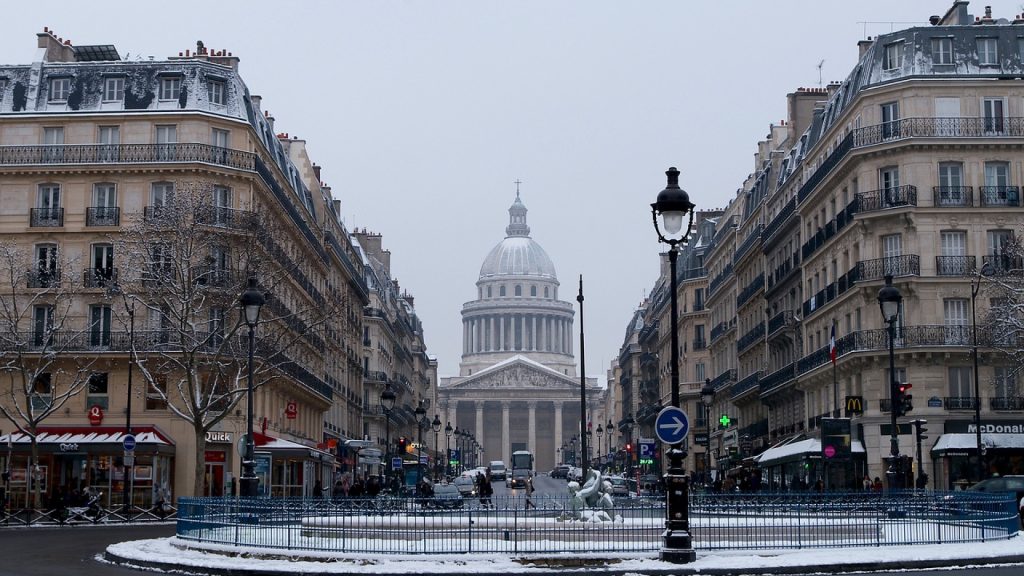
column 676, row 428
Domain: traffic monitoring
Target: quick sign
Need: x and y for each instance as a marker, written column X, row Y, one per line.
column 218, row 437
column 291, row 410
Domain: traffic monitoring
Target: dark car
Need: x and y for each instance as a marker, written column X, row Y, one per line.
column 650, row 485
column 560, row 471
column 466, row 485
column 446, row 496
column 1014, row 484
column 518, row 479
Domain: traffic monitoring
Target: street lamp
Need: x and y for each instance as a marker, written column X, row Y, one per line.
column 628, row 424
column 448, row 448
column 609, row 429
column 673, row 206
column 436, row 424
column 600, row 453
column 975, row 286
column 421, row 416
column 387, row 404
column 251, row 301
column 707, row 398
column 129, row 306
column 889, row 300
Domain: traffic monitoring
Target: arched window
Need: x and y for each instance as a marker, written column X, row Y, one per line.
column 519, row 290
column 501, row 291
column 546, row 292
column 488, row 291
column 533, row 291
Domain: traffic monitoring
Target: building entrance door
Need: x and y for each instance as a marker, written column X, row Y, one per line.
column 213, row 477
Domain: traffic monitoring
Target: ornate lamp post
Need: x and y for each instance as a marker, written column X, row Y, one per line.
column 975, row 286
column 448, row 448
column 889, row 299
column 572, row 449
column 387, row 404
column 436, row 425
column 707, row 398
column 250, row 302
column 673, row 205
column 129, row 306
column 421, row 416
column 458, row 446
column 600, row 453
column 609, row 429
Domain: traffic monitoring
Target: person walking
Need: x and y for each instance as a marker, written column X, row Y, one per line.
column 486, row 490
column 529, row 493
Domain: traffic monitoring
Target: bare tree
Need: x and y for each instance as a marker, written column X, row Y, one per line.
column 41, row 344
column 1001, row 278
column 191, row 257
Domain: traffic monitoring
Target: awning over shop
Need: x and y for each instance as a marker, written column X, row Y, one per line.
column 289, row 448
column 90, row 438
column 964, row 442
column 794, row 449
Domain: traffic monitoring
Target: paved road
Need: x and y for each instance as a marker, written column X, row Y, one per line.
column 69, row 551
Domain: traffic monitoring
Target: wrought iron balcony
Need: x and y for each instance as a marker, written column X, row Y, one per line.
column 747, row 383
column 43, row 277
column 955, row 265
column 724, row 379
column 699, row 344
column 752, row 239
column 1001, row 264
column 99, row 277
column 217, row 277
column 717, row 281
column 999, row 196
column 895, row 197
column 784, row 271
column 721, row 328
column 906, row 265
column 755, row 286
column 778, row 378
column 830, row 229
column 1006, row 403
column 224, row 217
column 64, row 154
column 102, row 216
column 953, row 196
column 750, row 338
column 781, row 218
column 832, row 291
column 959, row 402
column 46, row 217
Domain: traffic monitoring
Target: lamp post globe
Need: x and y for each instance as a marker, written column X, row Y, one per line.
column 436, row 425
column 448, row 430
column 673, row 206
column 250, row 303
column 387, row 404
column 889, row 301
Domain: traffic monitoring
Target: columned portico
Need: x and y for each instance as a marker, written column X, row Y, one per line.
column 505, row 433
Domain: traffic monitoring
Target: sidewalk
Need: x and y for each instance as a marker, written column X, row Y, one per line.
column 170, row 553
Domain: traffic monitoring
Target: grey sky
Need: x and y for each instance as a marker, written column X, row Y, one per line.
column 422, row 115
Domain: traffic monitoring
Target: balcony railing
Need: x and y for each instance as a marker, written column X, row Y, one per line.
column 717, row 281
column 895, row 197
column 750, row 338
column 46, row 217
column 784, row 270
column 99, row 277
column 953, row 196
column 43, row 277
column 376, row 376
column 753, row 237
column 102, row 216
column 125, row 154
column 781, row 218
column 780, row 321
column 778, row 378
column 955, row 265
column 721, row 328
column 225, row 217
column 699, row 344
column 748, row 383
column 831, row 228
column 999, row 196
column 1001, row 264
column 1006, row 403
column 832, row 291
column 959, row 402
column 755, row 286
column 906, row 265
column 218, row 277
column 724, row 379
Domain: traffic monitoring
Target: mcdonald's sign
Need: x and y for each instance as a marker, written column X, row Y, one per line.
column 854, row 406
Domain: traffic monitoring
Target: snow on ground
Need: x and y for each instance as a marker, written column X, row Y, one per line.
column 174, row 551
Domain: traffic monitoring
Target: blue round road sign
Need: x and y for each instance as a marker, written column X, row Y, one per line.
column 672, row 425
column 129, row 442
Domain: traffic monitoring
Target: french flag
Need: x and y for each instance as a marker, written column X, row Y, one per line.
column 832, row 344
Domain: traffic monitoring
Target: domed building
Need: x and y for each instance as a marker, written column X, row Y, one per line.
column 517, row 363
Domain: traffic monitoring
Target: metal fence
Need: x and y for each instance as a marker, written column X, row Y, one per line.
column 77, row 515
column 717, row 521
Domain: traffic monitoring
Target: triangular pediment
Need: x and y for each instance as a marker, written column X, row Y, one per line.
column 518, row 373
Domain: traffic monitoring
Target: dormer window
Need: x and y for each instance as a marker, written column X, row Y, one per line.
column 987, row 55
column 59, row 89
column 216, row 92
column 170, row 87
column 942, row 51
column 113, row 89
column 893, row 56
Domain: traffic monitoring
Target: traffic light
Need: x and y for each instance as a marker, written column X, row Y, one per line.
column 402, row 445
column 906, row 399
column 629, row 448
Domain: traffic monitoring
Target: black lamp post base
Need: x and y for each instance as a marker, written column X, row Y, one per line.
column 678, row 547
column 248, row 487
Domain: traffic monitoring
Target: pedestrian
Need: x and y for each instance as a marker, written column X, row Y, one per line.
column 318, row 489
column 877, row 486
column 866, row 483
column 819, row 486
column 529, row 494
column 486, row 489
column 356, row 490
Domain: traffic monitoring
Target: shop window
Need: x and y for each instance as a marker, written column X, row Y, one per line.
column 98, row 395
column 42, row 391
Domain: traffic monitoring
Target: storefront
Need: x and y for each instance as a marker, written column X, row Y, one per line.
column 798, row 464
column 955, row 452
column 73, row 458
column 291, row 469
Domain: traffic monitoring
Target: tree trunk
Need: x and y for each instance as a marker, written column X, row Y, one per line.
column 199, row 485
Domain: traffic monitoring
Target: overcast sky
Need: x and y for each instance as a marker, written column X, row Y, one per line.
column 423, row 114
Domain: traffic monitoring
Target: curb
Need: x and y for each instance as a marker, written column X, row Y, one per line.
column 604, row 567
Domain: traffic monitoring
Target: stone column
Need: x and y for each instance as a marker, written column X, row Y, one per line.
column 506, row 434
column 558, row 426
column 531, row 442
column 533, row 331
column 479, row 433
column 501, row 332
column 465, row 340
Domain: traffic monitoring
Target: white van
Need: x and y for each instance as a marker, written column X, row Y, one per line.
column 497, row 470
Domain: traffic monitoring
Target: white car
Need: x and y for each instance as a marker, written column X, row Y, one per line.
column 575, row 474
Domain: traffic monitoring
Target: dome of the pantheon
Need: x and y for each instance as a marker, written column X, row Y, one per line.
column 517, row 254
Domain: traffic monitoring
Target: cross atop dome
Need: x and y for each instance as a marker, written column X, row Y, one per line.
column 517, row 217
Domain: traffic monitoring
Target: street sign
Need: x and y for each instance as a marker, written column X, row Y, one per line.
column 396, row 463
column 672, row 425
column 701, row 438
column 128, row 442
column 129, row 459
column 423, row 459
column 646, row 450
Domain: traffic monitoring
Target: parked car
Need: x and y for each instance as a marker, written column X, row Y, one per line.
column 575, row 474
column 651, row 485
column 466, row 485
column 622, row 486
column 1014, row 484
column 446, row 497
column 560, row 471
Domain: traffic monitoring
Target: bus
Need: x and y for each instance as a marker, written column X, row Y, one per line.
column 522, row 469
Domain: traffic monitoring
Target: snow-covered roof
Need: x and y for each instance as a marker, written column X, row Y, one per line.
column 797, row 448
column 86, row 435
column 965, row 441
